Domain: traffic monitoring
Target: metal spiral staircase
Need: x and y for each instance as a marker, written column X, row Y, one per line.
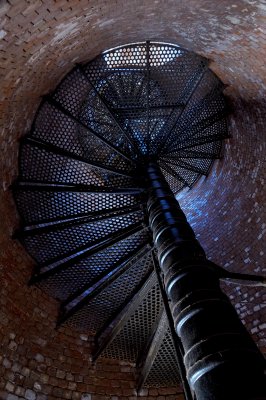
column 82, row 193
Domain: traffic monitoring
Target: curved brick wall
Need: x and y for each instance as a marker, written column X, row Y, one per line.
column 40, row 41
column 227, row 212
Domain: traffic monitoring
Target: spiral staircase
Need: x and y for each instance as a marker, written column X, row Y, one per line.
column 81, row 192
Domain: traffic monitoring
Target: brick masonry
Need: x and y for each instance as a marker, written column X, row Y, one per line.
column 40, row 41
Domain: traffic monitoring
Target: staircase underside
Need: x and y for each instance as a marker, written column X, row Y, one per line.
column 82, row 198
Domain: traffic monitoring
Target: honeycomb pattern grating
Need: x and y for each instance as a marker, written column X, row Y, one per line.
column 164, row 371
column 129, row 342
column 81, row 197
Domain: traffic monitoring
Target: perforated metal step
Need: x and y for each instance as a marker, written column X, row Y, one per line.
column 82, row 199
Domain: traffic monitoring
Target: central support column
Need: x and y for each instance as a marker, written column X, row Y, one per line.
column 221, row 360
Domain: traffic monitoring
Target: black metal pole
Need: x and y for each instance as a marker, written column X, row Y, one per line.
column 221, row 360
column 177, row 343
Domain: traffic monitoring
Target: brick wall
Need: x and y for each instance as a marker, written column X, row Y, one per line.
column 38, row 362
column 227, row 212
column 40, row 41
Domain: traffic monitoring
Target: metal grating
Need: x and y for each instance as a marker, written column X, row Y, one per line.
column 43, row 165
column 86, row 271
column 37, row 205
column 80, row 195
column 128, row 344
column 45, row 246
column 92, row 316
column 55, row 127
column 164, row 371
